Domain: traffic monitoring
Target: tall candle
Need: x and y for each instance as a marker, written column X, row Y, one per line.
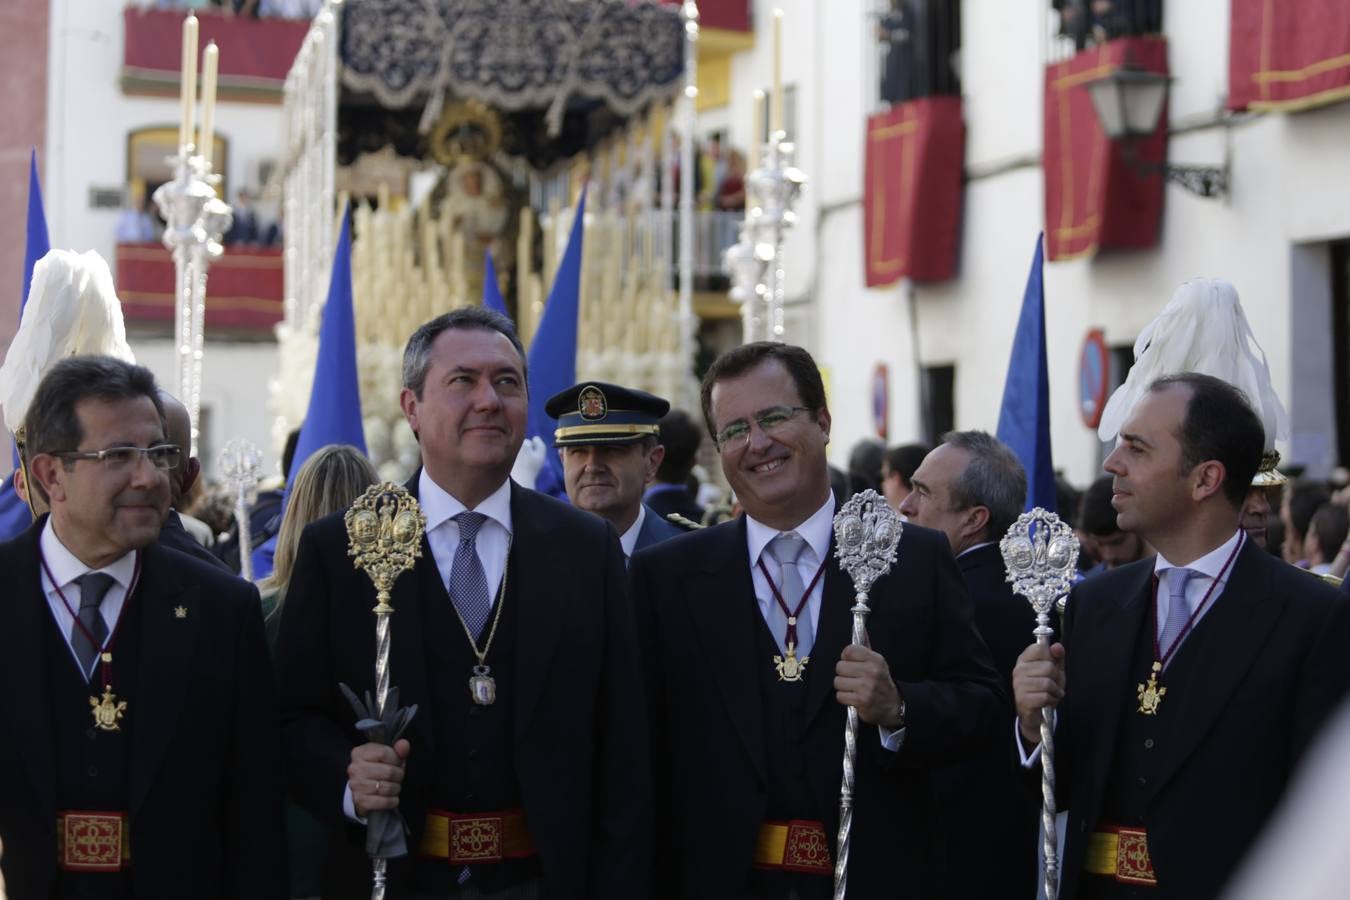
column 189, row 87
column 756, row 129
column 776, row 113
column 207, row 142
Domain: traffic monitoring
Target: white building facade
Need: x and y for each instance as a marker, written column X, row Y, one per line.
column 1278, row 235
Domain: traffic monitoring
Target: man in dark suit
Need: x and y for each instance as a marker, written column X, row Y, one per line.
column 138, row 748
column 181, row 478
column 1192, row 682
column 972, row 488
column 610, row 443
column 540, row 791
column 748, row 746
column 681, row 436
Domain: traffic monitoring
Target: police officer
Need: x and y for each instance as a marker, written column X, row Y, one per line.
column 609, row 440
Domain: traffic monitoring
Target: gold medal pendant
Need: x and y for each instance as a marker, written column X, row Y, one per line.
column 789, row 667
column 482, row 686
column 1151, row 694
column 109, row 711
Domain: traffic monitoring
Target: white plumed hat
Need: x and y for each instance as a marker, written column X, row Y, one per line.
column 72, row 309
column 1202, row 329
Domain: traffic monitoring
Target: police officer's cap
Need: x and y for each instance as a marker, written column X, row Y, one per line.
column 594, row 412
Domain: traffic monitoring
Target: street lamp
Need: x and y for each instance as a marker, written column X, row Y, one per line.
column 1129, row 102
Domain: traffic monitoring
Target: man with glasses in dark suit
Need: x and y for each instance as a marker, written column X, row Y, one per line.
column 749, row 667
column 142, row 726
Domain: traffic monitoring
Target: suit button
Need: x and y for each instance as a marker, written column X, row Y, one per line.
column 92, row 734
column 1082, row 827
column 93, row 771
column 1141, row 781
column 473, row 754
column 1148, row 743
column 469, row 796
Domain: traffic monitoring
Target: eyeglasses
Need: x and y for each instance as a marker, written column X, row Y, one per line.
column 737, row 434
column 123, row 459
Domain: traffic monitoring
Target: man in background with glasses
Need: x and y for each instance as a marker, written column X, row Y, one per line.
column 746, row 630
column 142, row 724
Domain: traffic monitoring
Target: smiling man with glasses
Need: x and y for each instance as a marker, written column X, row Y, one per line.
column 142, row 707
column 746, row 628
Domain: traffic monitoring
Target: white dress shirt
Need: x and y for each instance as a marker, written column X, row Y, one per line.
column 65, row 567
column 816, row 532
column 628, row 540
column 1213, row 565
column 492, row 541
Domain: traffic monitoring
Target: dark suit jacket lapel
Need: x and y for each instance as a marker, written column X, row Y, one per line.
column 1239, row 622
column 723, row 613
column 834, row 632
column 164, row 670
column 1105, row 654
column 536, row 584
column 23, row 667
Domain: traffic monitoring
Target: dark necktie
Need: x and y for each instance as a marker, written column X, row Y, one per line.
column 93, row 587
column 468, row 583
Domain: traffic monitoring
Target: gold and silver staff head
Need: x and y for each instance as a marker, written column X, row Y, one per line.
column 384, row 535
column 1040, row 552
column 867, row 533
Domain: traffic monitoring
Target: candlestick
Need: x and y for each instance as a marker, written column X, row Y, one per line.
column 776, row 113
column 756, row 130
column 207, row 141
column 189, row 91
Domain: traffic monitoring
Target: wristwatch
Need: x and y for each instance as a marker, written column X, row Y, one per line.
column 901, row 713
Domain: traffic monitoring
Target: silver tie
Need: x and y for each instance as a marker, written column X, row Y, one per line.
column 785, row 550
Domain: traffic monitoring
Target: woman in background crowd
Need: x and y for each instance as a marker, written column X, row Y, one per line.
column 329, row 481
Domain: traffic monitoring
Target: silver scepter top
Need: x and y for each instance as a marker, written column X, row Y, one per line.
column 866, row 532
column 1041, row 560
column 240, row 464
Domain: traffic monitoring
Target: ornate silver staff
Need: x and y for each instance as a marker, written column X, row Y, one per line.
column 241, row 466
column 1041, row 562
column 866, row 532
column 384, row 533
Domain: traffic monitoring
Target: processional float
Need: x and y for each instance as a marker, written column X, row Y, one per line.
column 481, row 153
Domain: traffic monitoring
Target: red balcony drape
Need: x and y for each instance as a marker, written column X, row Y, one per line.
column 912, row 191
column 1288, row 56
column 1094, row 200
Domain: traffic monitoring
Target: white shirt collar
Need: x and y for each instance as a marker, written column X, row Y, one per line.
column 439, row 506
column 65, row 566
column 628, row 540
column 815, row 531
column 1211, row 564
column 972, row 548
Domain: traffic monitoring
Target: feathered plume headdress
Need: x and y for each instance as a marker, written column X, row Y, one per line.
column 1203, row 329
column 72, row 309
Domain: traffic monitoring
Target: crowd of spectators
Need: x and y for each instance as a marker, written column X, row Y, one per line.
column 255, row 9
